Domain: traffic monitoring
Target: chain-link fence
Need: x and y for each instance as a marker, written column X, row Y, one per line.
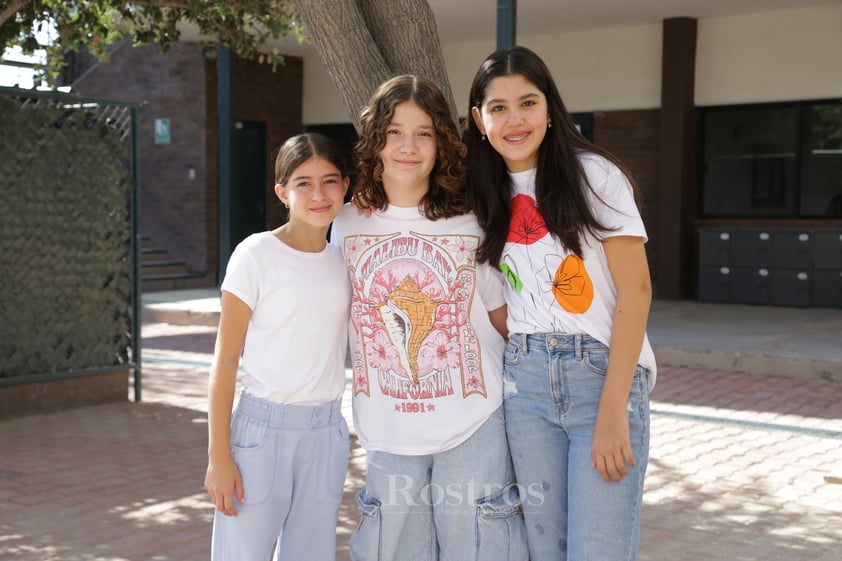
column 69, row 263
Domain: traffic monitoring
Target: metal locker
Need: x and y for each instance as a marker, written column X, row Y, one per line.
column 791, row 249
column 715, row 283
column 827, row 249
column 751, row 285
column 715, row 246
column 790, row 288
column 752, row 248
column 827, row 288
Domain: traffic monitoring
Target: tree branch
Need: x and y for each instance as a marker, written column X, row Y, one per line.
column 406, row 35
column 11, row 10
column 364, row 42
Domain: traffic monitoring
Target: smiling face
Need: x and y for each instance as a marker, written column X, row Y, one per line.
column 514, row 115
column 314, row 193
column 409, row 155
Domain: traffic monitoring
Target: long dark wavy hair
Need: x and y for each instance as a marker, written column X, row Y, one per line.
column 446, row 195
column 561, row 188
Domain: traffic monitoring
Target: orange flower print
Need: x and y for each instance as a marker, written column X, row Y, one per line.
column 572, row 286
column 527, row 226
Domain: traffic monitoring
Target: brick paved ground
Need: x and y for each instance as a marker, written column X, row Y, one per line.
column 743, row 467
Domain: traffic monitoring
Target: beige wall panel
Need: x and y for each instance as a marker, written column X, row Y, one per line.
column 773, row 56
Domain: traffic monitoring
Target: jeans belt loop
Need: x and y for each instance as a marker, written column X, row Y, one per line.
column 276, row 418
column 320, row 416
column 522, row 343
column 578, row 343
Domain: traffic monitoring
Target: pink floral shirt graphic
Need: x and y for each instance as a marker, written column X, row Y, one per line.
column 410, row 309
column 426, row 362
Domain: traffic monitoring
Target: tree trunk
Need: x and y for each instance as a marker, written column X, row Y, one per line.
column 364, row 42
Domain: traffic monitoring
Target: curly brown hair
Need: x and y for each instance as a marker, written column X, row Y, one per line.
column 446, row 195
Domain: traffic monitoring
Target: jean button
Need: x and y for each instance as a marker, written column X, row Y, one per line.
column 553, row 341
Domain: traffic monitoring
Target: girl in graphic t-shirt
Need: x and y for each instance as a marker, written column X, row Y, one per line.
column 561, row 222
column 276, row 471
column 427, row 346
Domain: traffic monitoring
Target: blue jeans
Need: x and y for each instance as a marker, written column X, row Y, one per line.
column 293, row 460
column 457, row 505
column 552, row 386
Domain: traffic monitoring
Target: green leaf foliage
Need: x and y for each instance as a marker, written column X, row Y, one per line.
column 245, row 26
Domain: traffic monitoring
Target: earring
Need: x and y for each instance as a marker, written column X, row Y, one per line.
column 483, row 138
column 549, row 124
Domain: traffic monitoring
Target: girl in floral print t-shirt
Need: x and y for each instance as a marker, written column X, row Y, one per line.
column 427, row 339
column 561, row 221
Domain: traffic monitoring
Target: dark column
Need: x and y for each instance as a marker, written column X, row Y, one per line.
column 506, row 23
column 225, row 64
column 677, row 199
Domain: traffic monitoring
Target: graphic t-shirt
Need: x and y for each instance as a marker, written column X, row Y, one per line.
column 426, row 361
column 550, row 289
column 294, row 352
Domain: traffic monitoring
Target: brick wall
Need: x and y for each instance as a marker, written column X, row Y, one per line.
column 177, row 212
column 633, row 136
column 171, row 86
column 263, row 95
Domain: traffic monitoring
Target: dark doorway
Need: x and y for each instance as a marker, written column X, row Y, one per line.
column 345, row 135
column 248, row 197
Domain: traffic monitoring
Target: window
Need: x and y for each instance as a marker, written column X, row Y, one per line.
column 772, row 161
column 584, row 124
column 821, row 192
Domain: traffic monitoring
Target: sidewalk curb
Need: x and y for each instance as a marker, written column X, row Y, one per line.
column 167, row 314
column 787, row 342
column 748, row 363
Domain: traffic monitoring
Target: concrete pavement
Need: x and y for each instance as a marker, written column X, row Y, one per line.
column 743, row 466
column 768, row 340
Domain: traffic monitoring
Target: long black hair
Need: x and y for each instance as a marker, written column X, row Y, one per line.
column 561, row 186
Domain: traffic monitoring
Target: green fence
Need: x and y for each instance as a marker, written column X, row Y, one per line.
column 69, row 241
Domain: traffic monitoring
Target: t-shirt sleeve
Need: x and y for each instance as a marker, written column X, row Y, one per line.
column 337, row 230
column 490, row 284
column 335, row 238
column 242, row 276
column 614, row 204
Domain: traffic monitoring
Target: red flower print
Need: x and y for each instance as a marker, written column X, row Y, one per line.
column 527, row 225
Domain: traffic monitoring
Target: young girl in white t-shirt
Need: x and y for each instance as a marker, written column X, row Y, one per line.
column 561, row 221
column 276, row 470
column 428, row 336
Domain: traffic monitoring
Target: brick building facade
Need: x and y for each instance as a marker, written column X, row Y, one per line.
column 179, row 180
column 179, row 191
column 633, row 136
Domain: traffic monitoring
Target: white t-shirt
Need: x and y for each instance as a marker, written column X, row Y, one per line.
column 295, row 345
column 551, row 289
column 427, row 362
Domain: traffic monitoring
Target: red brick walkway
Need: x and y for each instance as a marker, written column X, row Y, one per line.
column 742, row 467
